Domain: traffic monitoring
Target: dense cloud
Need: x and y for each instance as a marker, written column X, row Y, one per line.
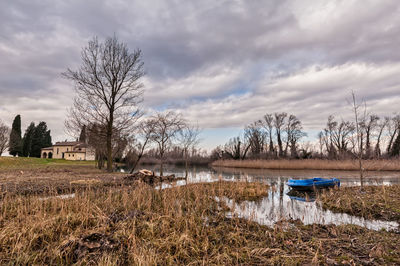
column 222, row 63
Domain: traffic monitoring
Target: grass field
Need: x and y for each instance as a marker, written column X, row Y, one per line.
column 24, row 162
column 312, row 164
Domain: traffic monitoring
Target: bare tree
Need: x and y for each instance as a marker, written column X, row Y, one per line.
column 4, row 137
column 237, row 148
column 166, row 127
column 108, row 89
column 370, row 126
column 256, row 138
column 146, row 131
column 341, row 136
column 294, row 132
column 96, row 137
column 268, row 124
column 393, row 129
column 188, row 139
column 279, row 123
column 381, row 127
column 328, row 132
column 321, row 142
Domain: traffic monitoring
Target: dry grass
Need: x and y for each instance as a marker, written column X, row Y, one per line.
column 48, row 179
column 183, row 225
column 373, row 202
column 21, row 163
column 312, row 164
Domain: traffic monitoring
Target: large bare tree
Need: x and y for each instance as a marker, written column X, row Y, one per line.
column 4, row 137
column 108, row 89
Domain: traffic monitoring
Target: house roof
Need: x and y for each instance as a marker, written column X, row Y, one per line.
column 82, row 145
column 67, row 143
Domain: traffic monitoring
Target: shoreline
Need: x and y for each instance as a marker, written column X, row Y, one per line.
column 311, row 164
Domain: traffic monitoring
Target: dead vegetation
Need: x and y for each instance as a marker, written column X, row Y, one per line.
column 312, row 164
column 182, row 225
column 373, row 202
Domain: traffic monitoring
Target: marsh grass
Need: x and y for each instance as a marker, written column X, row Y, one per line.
column 140, row 225
column 312, row 164
column 373, row 202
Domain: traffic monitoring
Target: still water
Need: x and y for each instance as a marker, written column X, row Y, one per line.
column 280, row 203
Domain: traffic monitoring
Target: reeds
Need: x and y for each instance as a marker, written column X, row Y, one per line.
column 373, row 202
column 312, row 164
column 183, row 225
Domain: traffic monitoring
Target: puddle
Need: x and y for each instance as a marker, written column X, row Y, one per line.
column 63, row 196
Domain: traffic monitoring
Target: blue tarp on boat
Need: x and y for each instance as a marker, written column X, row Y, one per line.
column 312, row 183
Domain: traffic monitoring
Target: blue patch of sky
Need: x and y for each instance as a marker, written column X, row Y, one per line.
column 212, row 137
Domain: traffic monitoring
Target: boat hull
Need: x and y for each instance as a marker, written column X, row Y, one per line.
column 313, row 183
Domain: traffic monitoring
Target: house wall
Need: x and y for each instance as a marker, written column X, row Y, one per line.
column 75, row 156
column 90, row 154
column 78, row 154
column 47, row 153
column 59, row 150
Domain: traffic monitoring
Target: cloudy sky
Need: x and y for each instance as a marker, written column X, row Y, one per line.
column 223, row 64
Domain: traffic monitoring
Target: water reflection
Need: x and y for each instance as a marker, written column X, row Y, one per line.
column 281, row 203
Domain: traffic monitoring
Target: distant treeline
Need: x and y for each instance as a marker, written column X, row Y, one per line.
column 278, row 135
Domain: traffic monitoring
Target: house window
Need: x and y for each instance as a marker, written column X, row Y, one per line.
column 73, row 155
column 67, row 149
column 69, row 155
column 57, row 150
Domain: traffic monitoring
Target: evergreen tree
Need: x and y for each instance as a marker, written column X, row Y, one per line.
column 396, row 147
column 15, row 146
column 47, row 139
column 40, row 139
column 27, row 140
column 82, row 136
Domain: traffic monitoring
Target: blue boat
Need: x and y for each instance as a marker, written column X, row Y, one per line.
column 313, row 183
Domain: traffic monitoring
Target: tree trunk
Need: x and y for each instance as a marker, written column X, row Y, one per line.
column 271, row 144
column 109, row 144
column 186, row 165
column 161, row 167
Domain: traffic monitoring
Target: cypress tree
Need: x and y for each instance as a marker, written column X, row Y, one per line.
column 27, row 140
column 15, row 144
column 40, row 139
column 47, row 139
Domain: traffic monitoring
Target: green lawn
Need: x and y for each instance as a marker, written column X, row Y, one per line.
column 23, row 162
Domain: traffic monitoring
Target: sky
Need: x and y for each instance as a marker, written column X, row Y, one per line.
column 222, row 64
